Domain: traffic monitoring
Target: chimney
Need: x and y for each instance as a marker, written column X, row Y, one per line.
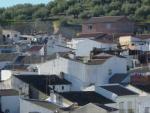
column 62, row 75
column 71, row 56
column 57, row 55
column 86, row 59
column 53, row 96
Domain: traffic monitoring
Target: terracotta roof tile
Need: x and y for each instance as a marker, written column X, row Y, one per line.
column 104, row 19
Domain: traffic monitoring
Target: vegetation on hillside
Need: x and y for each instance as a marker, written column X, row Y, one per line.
column 138, row 10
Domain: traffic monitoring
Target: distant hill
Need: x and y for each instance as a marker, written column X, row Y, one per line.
column 137, row 10
column 72, row 12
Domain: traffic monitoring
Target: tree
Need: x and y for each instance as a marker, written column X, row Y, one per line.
column 114, row 12
column 143, row 12
column 97, row 11
column 74, row 10
column 128, row 8
column 41, row 13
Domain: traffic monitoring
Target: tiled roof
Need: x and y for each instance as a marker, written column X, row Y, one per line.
column 110, row 109
column 33, row 59
column 42, row 82
column 104, row 19
column 119, row 90
column 8, row 56
column 92, row 61
column 118, row 78
column 8, row 92
column 103, row 37
column 87, row 35
column 35, row 48
column 145, row 88
column 83, row 98
column 143, row 36
column 44, row 104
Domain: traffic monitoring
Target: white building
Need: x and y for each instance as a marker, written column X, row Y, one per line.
column 143, row 101
column 134, row 43
column 37, row 106
column 26, row 39
column 11, row 35
column 56, row 44
column 126, row 100
column 84, row 72
column 78, row 98
column 83, row 46
column 95, row 108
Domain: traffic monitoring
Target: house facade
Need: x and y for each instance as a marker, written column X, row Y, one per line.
column 134, row 43
column 84, row 46
column 37, row 106
column 95, row 108
column 89, row 72
column 143, row 102
column 10, row 35
column 126, row 100
column 108, row 24
column 56, row 44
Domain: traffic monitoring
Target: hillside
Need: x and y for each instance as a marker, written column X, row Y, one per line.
column 138, row 10
column 28, row 18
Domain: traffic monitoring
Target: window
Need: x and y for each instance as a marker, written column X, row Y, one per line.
column 110, row 72
column 130, row 108
column 90, row 27
column 8, row 35
column 15, row 35
column 62, row 87
column 121, row 107
column 53, row 87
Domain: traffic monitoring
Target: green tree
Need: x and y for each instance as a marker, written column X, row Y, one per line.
column 41, row 13
column 74, row 10
column 97, row 11
column 143, row 12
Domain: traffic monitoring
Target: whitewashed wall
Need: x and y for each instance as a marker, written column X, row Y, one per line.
column 6, row 74
column 11, row 103
column 27, row 107
column 84, row 74
column 83, row 48
column 142, row 103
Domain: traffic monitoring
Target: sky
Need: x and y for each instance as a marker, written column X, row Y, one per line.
column 8, row 3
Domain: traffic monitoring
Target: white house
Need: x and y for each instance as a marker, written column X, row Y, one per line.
column 143, row 102
column 83, row 72
column 9, row 101
column 126, row 100
column 78, row 98
column 134, row 43
column 56, row 44
column 95, row 108
column 37, row 106
column 83, row 46
column 26, row 39
column 11, row 35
